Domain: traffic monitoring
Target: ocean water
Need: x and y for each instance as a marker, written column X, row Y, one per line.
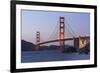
column 51, row 55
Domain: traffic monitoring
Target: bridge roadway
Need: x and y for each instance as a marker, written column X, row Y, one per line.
column 70, row 38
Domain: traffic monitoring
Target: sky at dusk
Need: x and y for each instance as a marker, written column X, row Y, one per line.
column 47, row 23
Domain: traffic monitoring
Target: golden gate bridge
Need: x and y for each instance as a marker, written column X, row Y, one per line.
column 79, row 41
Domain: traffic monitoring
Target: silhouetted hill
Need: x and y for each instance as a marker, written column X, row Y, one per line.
column 51, row 47
column 43, row 48
column 69, row 49
column 27, row 46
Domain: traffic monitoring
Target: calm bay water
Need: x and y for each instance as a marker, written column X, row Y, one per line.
column 51, row 55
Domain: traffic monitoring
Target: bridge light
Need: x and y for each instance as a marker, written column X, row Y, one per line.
column 62, row 36
column 62, row 30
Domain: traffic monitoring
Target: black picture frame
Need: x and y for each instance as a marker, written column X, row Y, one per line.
column 13, row 35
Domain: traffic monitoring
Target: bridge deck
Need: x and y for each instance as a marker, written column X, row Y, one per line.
column 70, row 38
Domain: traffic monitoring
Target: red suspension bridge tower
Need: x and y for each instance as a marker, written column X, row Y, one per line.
column 37, row 40
column 61, row 33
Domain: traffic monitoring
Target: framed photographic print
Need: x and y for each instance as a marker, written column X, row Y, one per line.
column 52, row 36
